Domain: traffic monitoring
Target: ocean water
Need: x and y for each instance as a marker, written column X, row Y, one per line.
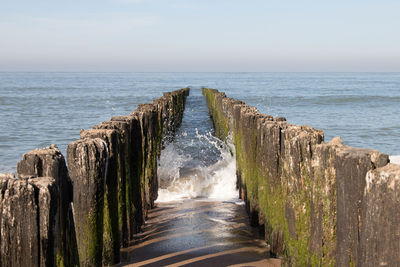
column 197, row 164
column 39, row 109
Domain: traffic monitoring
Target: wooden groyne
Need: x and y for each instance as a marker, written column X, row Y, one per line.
column 81, row 215
column 320, row 204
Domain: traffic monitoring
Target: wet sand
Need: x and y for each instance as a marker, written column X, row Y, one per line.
column 198, row 232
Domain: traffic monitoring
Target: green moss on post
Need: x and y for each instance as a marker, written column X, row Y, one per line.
column 87, row 161
column 130, row 198
column 111, row 230
column 276, row 180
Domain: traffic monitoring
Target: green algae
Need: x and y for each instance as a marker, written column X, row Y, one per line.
column 271, row 196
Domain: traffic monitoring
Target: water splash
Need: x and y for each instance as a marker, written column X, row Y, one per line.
column 395, row 159
column 180, row 179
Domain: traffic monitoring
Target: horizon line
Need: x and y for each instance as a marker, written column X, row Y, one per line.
column 199, row 71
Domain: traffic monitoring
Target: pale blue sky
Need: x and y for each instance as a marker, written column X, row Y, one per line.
column 187, row 35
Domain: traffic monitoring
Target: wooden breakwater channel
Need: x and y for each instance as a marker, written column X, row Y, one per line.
column 81, row 215
column 320, row 204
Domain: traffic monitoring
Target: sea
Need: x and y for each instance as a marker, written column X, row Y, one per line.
column 39, row 109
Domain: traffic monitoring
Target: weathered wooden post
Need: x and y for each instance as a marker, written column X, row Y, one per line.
column 87, row 162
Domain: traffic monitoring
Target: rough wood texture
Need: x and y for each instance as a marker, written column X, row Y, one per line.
column 87, row 162
column 112, row 181
column 28, row 214
column 50, row 162
column 380, row 235
column 351, row 167
column 305, row 194
column 134, row 144
column 46, row 193
column 111, row 231
column 19, row 224
column 123, row 133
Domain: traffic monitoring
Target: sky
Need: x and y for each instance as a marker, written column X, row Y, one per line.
column 200, row 36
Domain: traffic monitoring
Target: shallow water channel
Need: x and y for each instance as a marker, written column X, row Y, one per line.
column 199, row 219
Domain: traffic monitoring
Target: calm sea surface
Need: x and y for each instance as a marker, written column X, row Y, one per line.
column 39, row 109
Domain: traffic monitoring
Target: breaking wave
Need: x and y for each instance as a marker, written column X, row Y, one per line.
column 180, row 179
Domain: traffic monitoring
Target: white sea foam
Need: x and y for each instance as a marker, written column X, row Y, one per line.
column 395, row 159
column 217, row 181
